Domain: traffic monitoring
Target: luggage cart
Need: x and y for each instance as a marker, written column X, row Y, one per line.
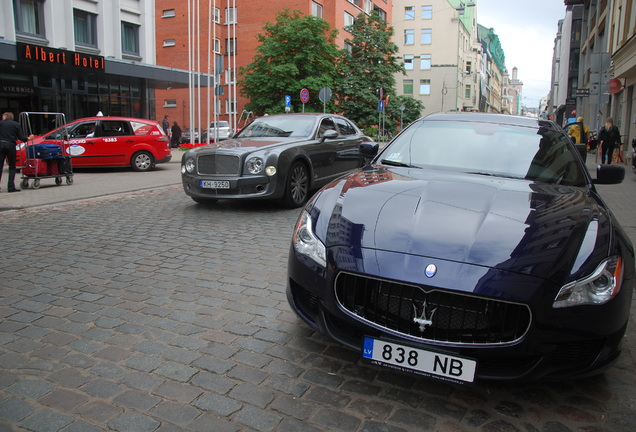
column 50, row 159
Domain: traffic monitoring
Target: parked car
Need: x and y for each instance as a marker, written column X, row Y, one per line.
column 187, row 138
column 112, row 142
column 473, row 246
column 219, row 130
column 274, row 157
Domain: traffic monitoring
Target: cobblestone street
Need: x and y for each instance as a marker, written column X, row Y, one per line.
column 147, row 312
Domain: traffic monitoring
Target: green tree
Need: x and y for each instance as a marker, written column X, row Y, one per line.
column 394, row 116
column 297, row 51
column 369, row 65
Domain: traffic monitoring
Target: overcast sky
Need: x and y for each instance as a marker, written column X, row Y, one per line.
column 526, row 29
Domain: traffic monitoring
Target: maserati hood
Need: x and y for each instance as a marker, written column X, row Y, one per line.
column 465, row 218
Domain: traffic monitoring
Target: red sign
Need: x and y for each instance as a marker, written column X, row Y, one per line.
column 304, row 95
column 37, row 53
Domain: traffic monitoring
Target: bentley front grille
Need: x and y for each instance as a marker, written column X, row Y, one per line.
column 219, row 164
column 435, row 315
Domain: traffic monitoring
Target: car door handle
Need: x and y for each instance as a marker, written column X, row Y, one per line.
column 130, row 141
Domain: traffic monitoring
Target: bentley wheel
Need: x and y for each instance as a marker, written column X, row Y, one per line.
column 297, row 186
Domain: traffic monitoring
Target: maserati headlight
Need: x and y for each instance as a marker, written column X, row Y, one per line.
column 598, row 288
column 188, row 166
column 306, row 243
column 255, row 165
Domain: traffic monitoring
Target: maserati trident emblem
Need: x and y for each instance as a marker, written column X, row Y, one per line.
column 430, row 271
column 422, row 320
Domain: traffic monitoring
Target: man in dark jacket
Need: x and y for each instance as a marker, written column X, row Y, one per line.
column 10, row 131
column 610, row 137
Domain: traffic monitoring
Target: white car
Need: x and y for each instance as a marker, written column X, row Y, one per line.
column 219, row 130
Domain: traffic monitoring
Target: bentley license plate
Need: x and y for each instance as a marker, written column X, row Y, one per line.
column 214, row 184
column 419, row 361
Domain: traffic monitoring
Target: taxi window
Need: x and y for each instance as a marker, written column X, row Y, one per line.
column 112, row 128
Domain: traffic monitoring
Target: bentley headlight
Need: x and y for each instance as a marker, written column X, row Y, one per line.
column 306, row 243
column 189, row 165
column 598, row 288
column 255, row 165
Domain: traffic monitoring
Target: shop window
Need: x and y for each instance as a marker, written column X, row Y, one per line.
column 29, row 17
column 316, row 9
column 130, row 38
column 85, row 28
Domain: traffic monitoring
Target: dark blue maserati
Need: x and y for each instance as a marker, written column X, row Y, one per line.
column 474, row 246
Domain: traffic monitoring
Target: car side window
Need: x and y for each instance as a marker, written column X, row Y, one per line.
column 112, row 128
column 345, row 127
column 82, row 130
column 325, row 125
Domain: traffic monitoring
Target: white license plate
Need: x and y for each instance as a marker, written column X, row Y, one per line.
column 419, row 361
column 214, row 184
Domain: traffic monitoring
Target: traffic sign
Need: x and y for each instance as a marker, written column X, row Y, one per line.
column 304, row 95
column 324, row 95
column 287, row 100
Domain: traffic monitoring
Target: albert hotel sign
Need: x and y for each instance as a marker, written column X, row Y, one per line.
column 51, row 56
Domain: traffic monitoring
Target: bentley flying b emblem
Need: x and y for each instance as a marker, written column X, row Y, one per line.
column 422, row 320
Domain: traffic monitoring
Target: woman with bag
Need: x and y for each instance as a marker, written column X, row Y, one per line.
column 610, row 137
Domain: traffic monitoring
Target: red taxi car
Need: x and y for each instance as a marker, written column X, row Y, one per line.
column 111, row 142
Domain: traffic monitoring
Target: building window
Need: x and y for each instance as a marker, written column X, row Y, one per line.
column 469, row 67
column 407, row 86
column 170, row 103
column 409, row 12
column 230, row 15
column 425, row 62
column 230, row 46
column 217, row 45
column 467, row 92
column 348, row 19
column 409, row 37
column 427, row 36
column 169, row 43
column 168, row 13
column 425, row 87
column 129, row 38
column 348, row 47
column 216, row 15
column 230, row 106
column 85, row 28
column 29, row 17
column 408, row 61
column 230, row 75
column 316, row 9
column 427, row 12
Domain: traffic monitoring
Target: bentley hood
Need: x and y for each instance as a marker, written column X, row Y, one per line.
column 509, row 224
column 246, row 144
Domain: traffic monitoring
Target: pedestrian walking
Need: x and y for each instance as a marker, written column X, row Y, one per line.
column 10, row 131
column 176, row 135
column 579, row 131
column 610, row 137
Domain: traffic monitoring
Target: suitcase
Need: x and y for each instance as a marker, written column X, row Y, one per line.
column 64, row 165
column 35, row 168
column 44, row 151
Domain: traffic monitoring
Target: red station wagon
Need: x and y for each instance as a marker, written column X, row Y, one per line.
column 112, row 142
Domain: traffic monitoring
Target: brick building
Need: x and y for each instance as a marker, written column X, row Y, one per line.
column 185, row 35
